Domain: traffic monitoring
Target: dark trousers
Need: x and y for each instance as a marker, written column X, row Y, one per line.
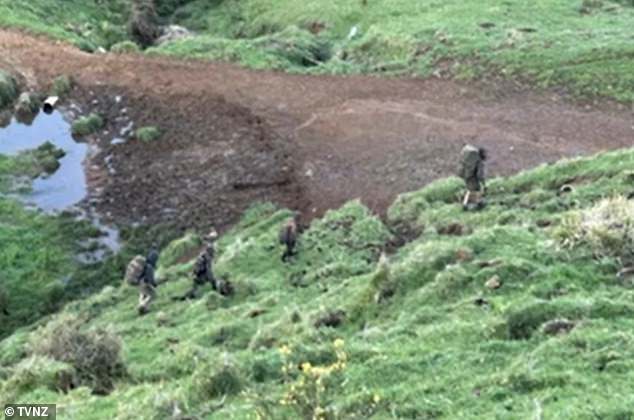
column 200, row 281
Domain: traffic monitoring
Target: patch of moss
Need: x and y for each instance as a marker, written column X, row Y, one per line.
column 148, row 134
column 87, row 125
column 8, row 89
column 62, row 85
column 125, row 47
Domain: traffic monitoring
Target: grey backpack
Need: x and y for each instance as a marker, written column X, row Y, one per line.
column 135, row 270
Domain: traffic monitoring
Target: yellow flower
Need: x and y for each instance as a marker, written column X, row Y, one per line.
column 339, row 343
column 376, row 398
column 306, row 366
column 285, row 350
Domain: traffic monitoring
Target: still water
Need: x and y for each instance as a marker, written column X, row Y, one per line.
column 67, row 186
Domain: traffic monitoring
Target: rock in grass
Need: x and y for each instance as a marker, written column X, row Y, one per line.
column 332, row 319
column 494, row 282
column 87, row 125
column 558, row 326
column 147, row 134
column 172, row 33
column 8, row 89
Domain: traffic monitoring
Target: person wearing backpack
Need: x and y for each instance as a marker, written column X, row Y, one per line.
column 288, row 236
column 140, row 272
column 147, row 282
column 473, row 173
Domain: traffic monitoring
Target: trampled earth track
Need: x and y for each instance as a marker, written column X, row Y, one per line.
column 232, row 135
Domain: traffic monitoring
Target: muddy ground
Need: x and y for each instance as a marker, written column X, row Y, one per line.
column 232, row 136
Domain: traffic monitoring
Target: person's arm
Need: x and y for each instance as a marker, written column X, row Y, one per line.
column 481, row 175
column 150, row 277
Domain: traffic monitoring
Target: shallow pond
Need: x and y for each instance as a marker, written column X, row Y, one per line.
column 67, row 186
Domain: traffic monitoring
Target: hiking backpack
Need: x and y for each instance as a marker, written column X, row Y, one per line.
column 469, row 159
column 135, row 270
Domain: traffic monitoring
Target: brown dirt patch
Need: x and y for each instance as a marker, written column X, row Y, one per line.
column 229, row 133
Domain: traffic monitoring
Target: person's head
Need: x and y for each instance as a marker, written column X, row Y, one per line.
column 212, row 235
column 483, row 153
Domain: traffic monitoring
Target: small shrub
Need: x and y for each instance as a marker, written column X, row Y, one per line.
column 28, row 104
column 265, row 367
column 62, row 85
column 147, row 134
column 86, row 45
column 607, row 228
column 524, row 321
column 87, row 125
column 588, row 6
column 217, row 381
column 297, row 47
column 95, row 354
column 125, row 47
column 8, row 89
column 143, row 26
column 35, row 372
column 311, row 393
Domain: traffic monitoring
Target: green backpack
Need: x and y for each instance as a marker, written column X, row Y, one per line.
column 469, row 159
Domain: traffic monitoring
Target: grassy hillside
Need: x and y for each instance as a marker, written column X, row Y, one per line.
column 87, row 23
column 37, row 251
column 582, row 46
column 342, row 333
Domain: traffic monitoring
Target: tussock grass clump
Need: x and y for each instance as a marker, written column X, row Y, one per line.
column 125, row 47
column 95, row 354
column 8, row 89
column 35, row 372
column 87, row 125
column 213, row 381
column 524, row 321
column 408, row 207
column 28, row 103
column 296, row 47
column 607, row 228
column 62, row 85
column 148, row 134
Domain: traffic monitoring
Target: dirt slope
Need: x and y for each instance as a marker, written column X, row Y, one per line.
column 315, row 141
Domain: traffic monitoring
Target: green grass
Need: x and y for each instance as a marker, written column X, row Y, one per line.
column 422, row 331
column 550, row 43
column 8, row 89
column 62, row 85
column 37, row 251
column 585, row 48
column 147, row 134
column 87, row 23
column 125, row 47
column 87, row 125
